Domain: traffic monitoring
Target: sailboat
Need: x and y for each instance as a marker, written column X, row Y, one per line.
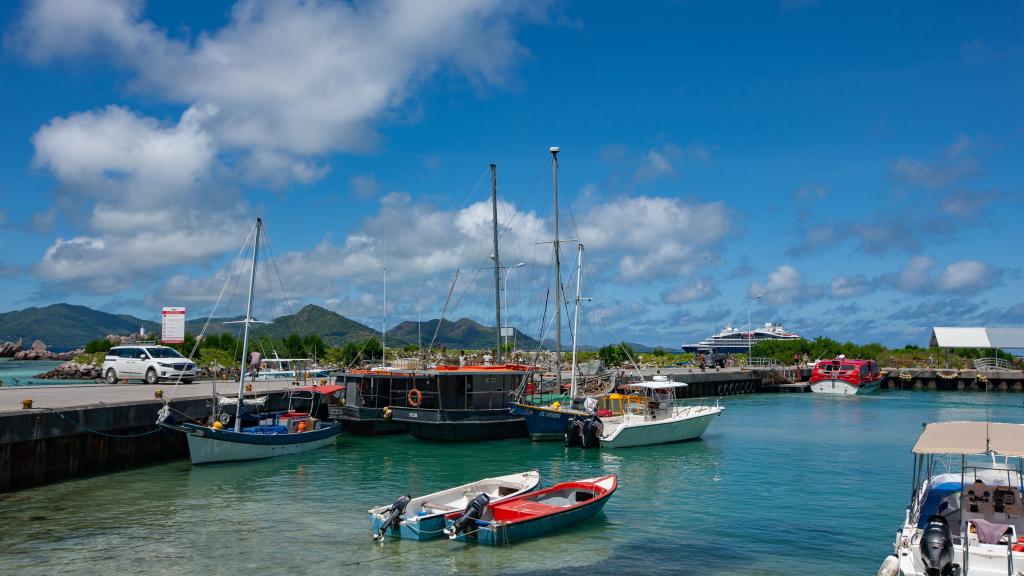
column 550, row 421
column 268, row 434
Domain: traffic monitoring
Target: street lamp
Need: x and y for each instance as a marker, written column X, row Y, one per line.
column 750, row 328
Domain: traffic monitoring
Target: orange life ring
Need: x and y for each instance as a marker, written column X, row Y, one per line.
column 415, row 397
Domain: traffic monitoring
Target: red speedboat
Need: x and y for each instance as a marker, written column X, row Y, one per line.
column 531, row 514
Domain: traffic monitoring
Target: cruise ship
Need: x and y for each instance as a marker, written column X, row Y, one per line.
column 733, row 340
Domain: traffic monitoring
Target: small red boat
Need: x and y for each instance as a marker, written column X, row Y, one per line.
column 531, row 514
column 845, row 376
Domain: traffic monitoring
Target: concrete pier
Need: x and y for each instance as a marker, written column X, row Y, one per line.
column 74, row 431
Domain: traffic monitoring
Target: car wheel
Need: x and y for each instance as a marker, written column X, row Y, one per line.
column 111, row 376
column 187, row 380
column 151, row 376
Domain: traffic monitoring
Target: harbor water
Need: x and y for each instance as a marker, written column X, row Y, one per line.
column 23, row 372
column 779, row 484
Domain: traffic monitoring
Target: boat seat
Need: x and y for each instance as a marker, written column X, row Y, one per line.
column 440, row 507
column 519, row 509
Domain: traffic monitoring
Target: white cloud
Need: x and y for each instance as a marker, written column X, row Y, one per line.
column 955, row 166
column 365, row 186
column 655, row 237
column 661, row 160
column 359, row 62
column 967, row 276
column 785, row 285
column 915, row 274
column 849, row 286
column 700, row 289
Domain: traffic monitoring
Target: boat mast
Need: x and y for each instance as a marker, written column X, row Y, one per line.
column 245, row 332
column 497, row 266
column 558, row 277
column 576, row 320
column 384, row 319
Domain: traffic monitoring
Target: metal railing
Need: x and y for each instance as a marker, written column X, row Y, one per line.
column 760, row 362
column 992, row 364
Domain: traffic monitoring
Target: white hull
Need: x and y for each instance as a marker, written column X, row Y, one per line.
column 638, row 430
column 204, row 450
column 983, row 559
column 841, row 388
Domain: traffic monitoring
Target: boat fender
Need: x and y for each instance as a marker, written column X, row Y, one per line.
column 387, row 412
column 890, row 566
column 217, row 425
column 937, row 546
column 415, row 397
column 474, row 510
column 394, row 513
column 1019, row 545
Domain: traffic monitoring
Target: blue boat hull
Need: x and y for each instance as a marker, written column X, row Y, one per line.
column 209, row 445
column 500, row 533
column 544, row 423
column 424, row 528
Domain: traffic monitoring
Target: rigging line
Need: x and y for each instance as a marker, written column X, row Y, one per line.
column 458, row 268
column 277, row 271
column 199, row 340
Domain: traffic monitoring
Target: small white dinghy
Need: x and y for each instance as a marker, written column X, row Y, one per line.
column 660, row 421
column 422, row 518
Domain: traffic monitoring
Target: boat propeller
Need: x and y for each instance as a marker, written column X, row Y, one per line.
column 395, row 512
column 474, row 510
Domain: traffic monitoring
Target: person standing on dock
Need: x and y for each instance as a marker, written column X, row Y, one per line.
column 703, row 362
column 254, row 363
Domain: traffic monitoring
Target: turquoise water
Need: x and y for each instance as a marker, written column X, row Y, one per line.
column 780, row 484
column 21, row 373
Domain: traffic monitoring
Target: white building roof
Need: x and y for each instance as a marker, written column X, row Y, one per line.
column 945, row 337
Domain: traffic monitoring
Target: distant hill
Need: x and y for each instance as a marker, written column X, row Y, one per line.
column 67, row 326
column 463, row 334
column 334, row 328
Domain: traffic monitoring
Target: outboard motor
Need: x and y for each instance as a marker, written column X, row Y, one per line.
column 937, row 547
column 591, row 433
column 395, row 512
column 574, row 433
column 474, row 510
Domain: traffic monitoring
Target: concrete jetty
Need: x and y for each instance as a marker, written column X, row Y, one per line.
column 78, row 430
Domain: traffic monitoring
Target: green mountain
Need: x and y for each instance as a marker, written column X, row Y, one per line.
column 67, row 326
column 334, row 328
column 464, row 334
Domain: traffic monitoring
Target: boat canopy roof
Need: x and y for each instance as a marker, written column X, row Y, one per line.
column 971, row 438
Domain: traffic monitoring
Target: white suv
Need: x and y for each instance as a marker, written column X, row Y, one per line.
column 149, row 363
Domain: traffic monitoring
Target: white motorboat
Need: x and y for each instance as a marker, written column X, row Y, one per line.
column 660, row 421
column 965, row 515
column 422, row 518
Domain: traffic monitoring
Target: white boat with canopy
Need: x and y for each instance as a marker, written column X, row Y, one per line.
column 965, row 515
column 662, row 419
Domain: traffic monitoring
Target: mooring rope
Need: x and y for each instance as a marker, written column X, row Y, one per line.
column 97, row 432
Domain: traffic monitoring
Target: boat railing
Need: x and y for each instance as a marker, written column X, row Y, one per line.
column 992, row 364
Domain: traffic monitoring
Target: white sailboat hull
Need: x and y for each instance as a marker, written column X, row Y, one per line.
column 637, row 430
column 203, row 450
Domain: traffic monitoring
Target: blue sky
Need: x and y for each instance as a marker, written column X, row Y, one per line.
column 857, row 167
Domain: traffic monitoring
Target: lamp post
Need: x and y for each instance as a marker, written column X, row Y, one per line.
column 750, row 328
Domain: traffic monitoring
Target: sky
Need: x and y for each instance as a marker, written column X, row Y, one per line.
column 851, row 171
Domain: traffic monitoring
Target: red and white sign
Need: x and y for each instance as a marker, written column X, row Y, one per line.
column 172, row 330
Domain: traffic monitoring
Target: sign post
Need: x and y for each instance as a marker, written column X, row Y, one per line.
column 172, row 330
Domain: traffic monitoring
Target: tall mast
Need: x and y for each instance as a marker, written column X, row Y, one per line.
column 576, row 320
column 245, row 333
column 558, row 276
column 497, row 266
column 384, row 319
